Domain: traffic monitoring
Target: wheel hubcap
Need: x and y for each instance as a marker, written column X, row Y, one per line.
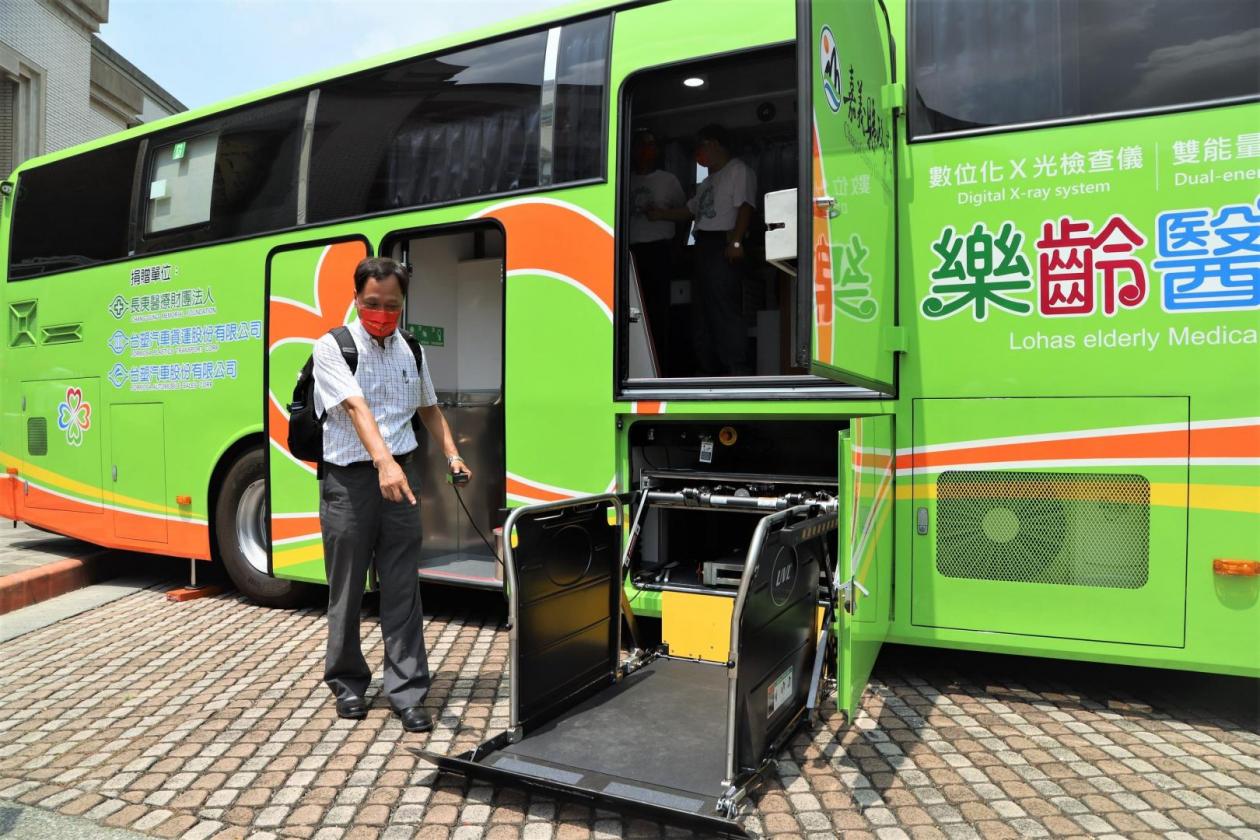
column 251, row 525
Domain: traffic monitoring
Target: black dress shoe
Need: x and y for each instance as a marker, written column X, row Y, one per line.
column 415, row 719
column 352, row 708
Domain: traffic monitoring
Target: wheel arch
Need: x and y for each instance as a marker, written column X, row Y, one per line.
column 227, row 457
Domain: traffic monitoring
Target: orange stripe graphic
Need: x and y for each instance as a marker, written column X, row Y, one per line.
column 1222, row 442
column 516, row 487
column 289, row 527
column 558, row 239
column 184, row 538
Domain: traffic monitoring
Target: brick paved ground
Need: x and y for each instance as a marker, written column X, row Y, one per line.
column 208, row 719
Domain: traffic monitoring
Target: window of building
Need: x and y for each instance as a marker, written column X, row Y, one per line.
column 703, row 143
column 73, row 212
column 461, row 125
column 225, row 177
column 989, row 63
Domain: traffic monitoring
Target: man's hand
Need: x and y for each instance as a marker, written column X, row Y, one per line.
column 394, row 484
column 734, row 252
column 458, row 469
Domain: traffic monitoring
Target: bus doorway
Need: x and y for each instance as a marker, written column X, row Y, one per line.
column 455, row 309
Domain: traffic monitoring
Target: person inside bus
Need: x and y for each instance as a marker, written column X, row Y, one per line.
column 723, row 208
column 367, row 509
column 652, row 241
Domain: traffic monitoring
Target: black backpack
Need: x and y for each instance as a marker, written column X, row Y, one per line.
column 306, row 428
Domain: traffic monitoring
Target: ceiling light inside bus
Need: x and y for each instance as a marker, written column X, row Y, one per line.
column 694, row 81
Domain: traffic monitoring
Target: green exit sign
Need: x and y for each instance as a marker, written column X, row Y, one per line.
column 425, row 334
column 177, row 152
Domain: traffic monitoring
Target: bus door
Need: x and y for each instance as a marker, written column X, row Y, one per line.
column 845, row 209
column 846, row 249
column 864, row 566
column 308, row 293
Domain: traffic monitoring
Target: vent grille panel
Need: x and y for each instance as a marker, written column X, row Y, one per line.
column 37, row 435
column 62, row 333
column 1050, row 528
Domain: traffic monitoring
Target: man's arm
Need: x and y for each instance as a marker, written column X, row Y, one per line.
column 435, row 424
column 394, row 484
column 736, row 234
column 335, row 385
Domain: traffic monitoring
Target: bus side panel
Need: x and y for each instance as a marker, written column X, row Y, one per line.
column 1096, row 260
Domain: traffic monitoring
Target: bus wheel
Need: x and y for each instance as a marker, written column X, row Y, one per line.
column 240, row 526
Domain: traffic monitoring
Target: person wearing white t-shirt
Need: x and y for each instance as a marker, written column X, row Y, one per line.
column 652, row 242
column 723, row 208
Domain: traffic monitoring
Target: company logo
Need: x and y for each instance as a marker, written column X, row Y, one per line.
column 74, row 416
column 118, row 342
column 118, row 375
column 783, row 576
column 118, row 306
column 829, row 63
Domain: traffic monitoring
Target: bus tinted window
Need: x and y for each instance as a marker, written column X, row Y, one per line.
column 580, row 74
column 982, row 63
column 432, row 130
column 225, row 177
column 73, row 212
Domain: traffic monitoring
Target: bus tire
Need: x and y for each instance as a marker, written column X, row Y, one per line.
column 242, row 533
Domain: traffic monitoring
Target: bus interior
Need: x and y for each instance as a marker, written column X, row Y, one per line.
column 455, row 308
column 753, row 96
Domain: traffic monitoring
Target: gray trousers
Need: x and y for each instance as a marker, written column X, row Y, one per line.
column 359, row 526
column 720, row 333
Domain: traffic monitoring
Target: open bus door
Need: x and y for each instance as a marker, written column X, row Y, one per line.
column 846, row 206
column 846, row 248
column 864, row 569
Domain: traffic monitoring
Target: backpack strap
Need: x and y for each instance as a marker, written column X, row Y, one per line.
column 345, row 342
column 416, row 350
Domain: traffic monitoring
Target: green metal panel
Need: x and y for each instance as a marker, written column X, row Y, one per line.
column 68, row 411
column 865, row 553
column 852, row 255
column 1062, row 533
column 138, row 466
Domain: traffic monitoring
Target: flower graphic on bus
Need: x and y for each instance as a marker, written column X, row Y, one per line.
column 74, row 416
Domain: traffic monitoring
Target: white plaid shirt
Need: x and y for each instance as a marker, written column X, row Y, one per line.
column 385, row 376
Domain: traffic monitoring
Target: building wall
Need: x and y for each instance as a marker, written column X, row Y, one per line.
column 53, row 39
column 85, row 89
column 7, row 91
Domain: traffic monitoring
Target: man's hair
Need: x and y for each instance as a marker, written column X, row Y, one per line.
column 641, row 137
column 719, row 134
column 380, row 268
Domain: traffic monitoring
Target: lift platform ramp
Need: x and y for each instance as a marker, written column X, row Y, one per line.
column 677, row 740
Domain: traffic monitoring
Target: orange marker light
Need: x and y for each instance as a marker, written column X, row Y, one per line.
column 1241, row 568
column 728, row 436
column 11, row 470
column 183, row 500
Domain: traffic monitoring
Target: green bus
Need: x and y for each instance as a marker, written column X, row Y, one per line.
column 997, row 314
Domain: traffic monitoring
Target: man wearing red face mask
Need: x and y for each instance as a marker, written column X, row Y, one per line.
column 367, row 508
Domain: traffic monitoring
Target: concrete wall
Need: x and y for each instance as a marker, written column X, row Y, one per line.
column 86, row 89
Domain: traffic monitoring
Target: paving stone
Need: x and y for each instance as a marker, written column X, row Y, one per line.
column 229, row 731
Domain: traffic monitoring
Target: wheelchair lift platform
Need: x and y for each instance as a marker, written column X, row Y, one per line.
column 678, row 740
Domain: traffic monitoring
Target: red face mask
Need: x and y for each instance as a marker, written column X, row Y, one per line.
column 379, row 322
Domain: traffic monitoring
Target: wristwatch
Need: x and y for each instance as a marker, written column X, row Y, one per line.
column 451, row 459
